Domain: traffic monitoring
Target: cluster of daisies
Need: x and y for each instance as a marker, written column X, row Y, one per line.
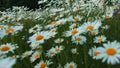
column 58, row 34
column 6, row 30
column 110, row 52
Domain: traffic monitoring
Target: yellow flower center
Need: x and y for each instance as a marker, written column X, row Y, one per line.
column 107, row 16
column 111, row 51
column 90, row 27
column 78, row 39
column 76, row 19
column 1, row 26
column 93, row 33
column 96, row 53
column 5, row 48
column 52, row 52
column 57, row 49
column 43, row 65
column 36, row 56
column 70, row 66
column 8, row 30
column 99, row 39
column 53, row 23
column 53, row 30
column 39, row 37
column 74, row 31
column 4, row 17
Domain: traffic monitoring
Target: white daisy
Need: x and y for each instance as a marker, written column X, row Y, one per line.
column 35, row 56
column 106, row 27
column 79, row 39
column 52, row 52
column 74, row 51
column 111, row 52
column 109, row 12
column 52, row 24
column 39, row 37
column 61, row 21
column 75, row 31
column 59, row 40
column 89, row 26
column 94, row 32
column 27, row 54
column 34, row 45
column 71, row 65
column 13, row 29
column 95, row 52
column 43, row 64
column 59, row 48
column 35, row 29
column 77, row 18
column 52, row 33
column 99, row 39
column 5, row 48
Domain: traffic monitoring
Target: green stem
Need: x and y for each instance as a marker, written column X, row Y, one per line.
column 108, row 66
column 85, row 56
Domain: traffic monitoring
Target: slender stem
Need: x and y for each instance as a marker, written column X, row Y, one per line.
column 108, row 66
column 85, row 56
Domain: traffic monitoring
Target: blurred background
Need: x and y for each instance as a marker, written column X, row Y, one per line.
column 32, row 4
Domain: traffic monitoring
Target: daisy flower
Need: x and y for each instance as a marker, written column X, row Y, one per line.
column 59, row 48
column 35, row 56
column 43, row 64
column 39, row 37
column 106, row 27
column 5, row 48
column 59, row 40
column 89, row 26
column 99, row 39
column 71, row 65
column 79, row 39
column 74, row 51
column 52, row 32
column 77, row 18
column 35, row 29
column 75, row 31
column 109, row 12
column 34, row 45
column 13, row 29
column 61, row 21
column 52, row 24
column 111, row 52
column 52, row 52
column 94, row 32
column 27, row 54
column 95, row 52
